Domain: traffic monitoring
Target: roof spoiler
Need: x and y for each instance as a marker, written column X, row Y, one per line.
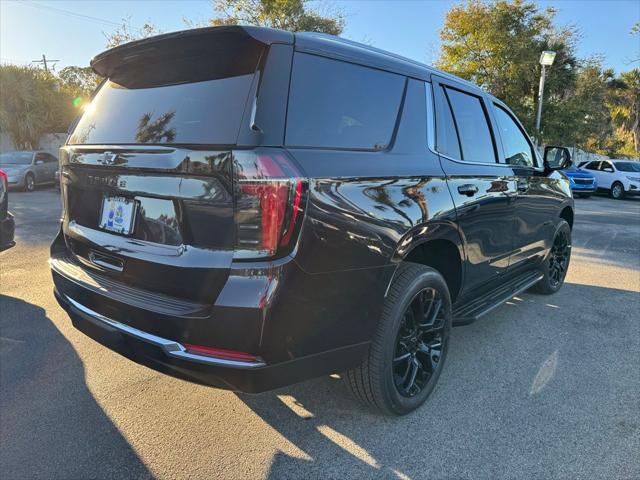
column 194, row 40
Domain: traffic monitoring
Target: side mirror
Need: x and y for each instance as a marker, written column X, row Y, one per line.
column 556, row 158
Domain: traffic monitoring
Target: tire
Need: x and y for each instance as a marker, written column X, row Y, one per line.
column 557, row 258
column 617, row 191
column 29, row 183
column 378, row 381
column 584, row 195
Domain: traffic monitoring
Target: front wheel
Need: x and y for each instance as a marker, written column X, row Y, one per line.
column 556, row 265
column 617, row 191
column 409, row 346
column 29, row 183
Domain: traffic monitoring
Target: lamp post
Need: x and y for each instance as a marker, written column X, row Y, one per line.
column 546, row 59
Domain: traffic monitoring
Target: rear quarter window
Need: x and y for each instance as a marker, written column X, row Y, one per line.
column 334, row 104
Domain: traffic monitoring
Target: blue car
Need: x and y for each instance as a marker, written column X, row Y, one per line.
column 583, row 184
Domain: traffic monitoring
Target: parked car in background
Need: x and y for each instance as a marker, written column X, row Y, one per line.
column 56, row 180
column 302, row 226
column 582, row 183
column 27, row 169
column 616, row 177
column 7, row 224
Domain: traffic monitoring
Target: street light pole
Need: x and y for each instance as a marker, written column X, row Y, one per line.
column 546, row 58
column 540, row 96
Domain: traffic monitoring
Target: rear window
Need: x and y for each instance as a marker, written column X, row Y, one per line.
column 189, row 99
column 334, row 104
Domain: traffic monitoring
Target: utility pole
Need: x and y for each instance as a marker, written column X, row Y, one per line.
column 44, row 62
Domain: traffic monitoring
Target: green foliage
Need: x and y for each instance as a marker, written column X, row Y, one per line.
column 33, row 102
column 83, row 79
column 293, row 15
column 127, row 33
column 497, row 44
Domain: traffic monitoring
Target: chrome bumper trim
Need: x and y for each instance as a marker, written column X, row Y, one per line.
column 170, row 348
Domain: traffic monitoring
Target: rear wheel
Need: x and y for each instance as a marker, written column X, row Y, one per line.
column 29, row 183
column 410, row 345
column 617, row 191
column 557, row 263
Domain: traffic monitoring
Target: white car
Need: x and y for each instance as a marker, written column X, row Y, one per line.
column 618, row 177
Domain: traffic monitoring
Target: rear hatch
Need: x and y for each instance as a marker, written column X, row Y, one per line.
column 147, row 172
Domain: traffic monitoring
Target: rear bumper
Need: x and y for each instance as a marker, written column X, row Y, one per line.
column 170, row 357
column 7, row 230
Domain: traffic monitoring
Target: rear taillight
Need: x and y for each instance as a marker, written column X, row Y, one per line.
column 269, row 201
column 4, row 179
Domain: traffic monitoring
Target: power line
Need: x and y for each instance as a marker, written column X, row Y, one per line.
column 69, row 13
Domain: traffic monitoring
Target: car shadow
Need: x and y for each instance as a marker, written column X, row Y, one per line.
column 507, row 382
column 50, row 424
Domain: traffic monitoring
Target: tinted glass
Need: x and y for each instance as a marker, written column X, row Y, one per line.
column 336, row 104
column 50, row 158
column 207, row 112
column 448, row 143
column 16, row 158
column 592, row 165
column 473, row 129
column 517, row 149
column 628, row 166
column 606, row 167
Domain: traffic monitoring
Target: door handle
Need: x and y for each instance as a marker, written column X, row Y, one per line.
column 523, row 185
column 468, row 189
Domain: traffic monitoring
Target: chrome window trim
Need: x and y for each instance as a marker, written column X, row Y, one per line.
column 431, row 121
column 169, row 347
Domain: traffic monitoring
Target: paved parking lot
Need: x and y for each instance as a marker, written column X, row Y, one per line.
column 544, row 387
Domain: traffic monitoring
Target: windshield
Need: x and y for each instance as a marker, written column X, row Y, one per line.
column 16, row 158
column 628, row 166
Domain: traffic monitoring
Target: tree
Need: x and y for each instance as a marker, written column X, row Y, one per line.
column 84, row 79
column 127, row 33
column 292, row 15
column 33, row 102
column 624, row 105
column 497, row 45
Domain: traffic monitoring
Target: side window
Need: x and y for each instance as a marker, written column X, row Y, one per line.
column 471, row 123
column 606, row 167
column 40, row 157
column 334, row 104
column 448, row 142
column 592, row 166
column 517, row 149
column 50, row 158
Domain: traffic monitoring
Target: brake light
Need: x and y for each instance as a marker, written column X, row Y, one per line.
column 219, row 353
column 4, row 179
column 269, row 199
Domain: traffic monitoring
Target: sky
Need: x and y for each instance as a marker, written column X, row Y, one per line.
column 72, row 31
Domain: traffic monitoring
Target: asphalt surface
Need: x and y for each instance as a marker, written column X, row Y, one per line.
column 544, row 387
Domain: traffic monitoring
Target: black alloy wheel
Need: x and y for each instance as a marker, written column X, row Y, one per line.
column 559, row 258
column 419, row 343
column 409, row 347
column 556, row 265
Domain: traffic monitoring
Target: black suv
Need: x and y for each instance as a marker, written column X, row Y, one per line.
column 249, row 208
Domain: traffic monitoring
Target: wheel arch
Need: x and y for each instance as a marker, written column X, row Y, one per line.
column 567, row 215
column 436, row 245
